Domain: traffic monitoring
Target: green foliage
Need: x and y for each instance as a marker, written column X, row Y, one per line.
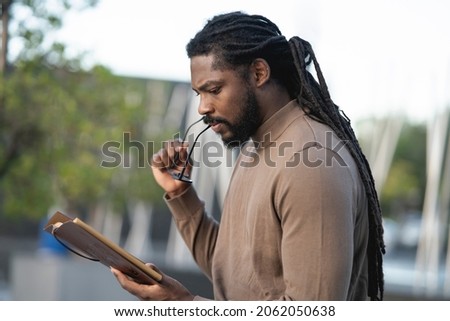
column 32, row 21
column 405, row 186
column 54, row 119
column 35, row 101
column 66, row 118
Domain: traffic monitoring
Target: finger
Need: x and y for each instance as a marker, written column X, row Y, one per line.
column 123, row 280
column 164, row 160
column 158, row 159
column 154, row 267
column 177, row 153
column 127, row 284
column 172, row 155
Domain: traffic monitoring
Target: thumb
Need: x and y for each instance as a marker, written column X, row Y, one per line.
column 154, row 267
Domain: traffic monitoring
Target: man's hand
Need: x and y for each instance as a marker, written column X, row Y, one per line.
column 171, row 157
column 168, row 289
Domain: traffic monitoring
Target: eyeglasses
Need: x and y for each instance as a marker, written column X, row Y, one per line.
column 180, row 175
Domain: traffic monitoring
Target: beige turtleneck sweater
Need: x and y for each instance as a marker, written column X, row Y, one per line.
column 294, row 224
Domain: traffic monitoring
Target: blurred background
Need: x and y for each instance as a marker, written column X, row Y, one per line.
column 90, row 88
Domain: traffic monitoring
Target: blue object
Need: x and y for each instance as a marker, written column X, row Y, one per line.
column 48, row 243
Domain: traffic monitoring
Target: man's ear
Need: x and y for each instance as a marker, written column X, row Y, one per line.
column 260, row 70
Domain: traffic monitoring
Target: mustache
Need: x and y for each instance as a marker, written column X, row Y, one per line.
column 208, row 120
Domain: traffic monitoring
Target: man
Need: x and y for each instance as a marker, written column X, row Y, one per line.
column 301, row 219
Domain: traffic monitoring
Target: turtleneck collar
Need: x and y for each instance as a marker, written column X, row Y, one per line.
column 273, row 127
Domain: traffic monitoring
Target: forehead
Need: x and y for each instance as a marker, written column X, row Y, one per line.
column 202, row 64
column 205, row 69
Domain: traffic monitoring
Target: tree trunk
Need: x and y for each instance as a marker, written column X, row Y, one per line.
column 6, row 4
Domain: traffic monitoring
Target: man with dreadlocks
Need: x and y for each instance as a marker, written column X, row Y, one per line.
column 301, row 219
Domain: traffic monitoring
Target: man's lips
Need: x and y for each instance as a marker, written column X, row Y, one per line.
column 215, row 126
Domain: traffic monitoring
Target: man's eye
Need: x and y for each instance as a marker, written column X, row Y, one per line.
column 214, row 90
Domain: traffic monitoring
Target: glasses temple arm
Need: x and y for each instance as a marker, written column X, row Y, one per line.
column 192, row 149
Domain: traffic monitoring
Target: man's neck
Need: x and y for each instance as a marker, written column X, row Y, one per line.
column 271, row 100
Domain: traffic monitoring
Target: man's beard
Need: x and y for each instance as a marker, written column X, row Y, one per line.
column 247, row 122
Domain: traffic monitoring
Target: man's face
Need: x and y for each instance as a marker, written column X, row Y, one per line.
column 226, row 99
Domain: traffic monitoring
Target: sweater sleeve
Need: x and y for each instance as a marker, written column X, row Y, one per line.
column 315, row 204
column 196, row 227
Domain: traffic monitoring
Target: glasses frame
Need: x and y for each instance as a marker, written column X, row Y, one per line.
column 180, row 175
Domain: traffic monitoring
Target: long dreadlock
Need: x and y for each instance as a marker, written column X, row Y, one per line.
column 237, row 39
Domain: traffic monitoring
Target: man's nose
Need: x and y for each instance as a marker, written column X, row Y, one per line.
column 204, row 107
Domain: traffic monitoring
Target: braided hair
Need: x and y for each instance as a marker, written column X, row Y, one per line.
column 236, row 39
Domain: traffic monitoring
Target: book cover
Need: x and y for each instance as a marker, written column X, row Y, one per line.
column 84, row 240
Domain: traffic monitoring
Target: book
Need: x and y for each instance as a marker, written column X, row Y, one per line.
column 82, row 239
